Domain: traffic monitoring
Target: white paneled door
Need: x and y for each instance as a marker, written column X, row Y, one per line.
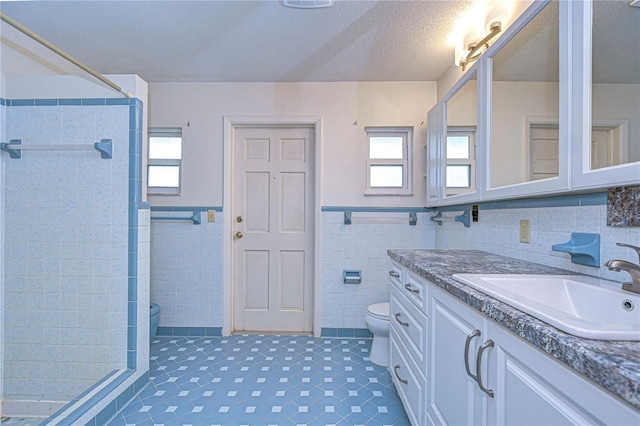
column 273, row 229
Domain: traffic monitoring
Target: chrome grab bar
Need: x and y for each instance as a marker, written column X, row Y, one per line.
column 485, row 345
column 394, row 274
column 411, row 289
column 474, row 333
column 406, row 324
column 403, row 381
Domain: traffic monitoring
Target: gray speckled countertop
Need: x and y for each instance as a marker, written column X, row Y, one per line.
column 615, row 365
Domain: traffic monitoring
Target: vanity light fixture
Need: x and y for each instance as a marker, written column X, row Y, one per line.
column 475, row 38
column 477, row 48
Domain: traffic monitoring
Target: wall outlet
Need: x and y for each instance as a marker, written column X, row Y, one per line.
column 211, row 215
column 525, row 231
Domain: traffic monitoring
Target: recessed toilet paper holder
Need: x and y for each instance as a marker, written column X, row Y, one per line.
column 351, row 276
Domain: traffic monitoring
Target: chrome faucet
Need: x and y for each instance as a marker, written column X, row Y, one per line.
column 631, row 268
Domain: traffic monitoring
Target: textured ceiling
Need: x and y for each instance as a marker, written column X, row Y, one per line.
column 532, row 55
column 250, row 41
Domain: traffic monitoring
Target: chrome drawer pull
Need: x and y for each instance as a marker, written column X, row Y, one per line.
column 411, row 289
column 474, row 333
column 395, row 371
column 406, row 324
column 485, row 345
column 394, row 274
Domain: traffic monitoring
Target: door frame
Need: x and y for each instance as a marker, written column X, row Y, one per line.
column 230, row 123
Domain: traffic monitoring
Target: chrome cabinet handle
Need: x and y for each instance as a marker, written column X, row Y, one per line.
column 394, row 274
column 395, row 371
column 411, row 289
column 485, row 345
column 406, row 324
column 474, row 333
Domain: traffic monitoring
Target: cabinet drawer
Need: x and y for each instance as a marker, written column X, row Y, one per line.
column 410, row 325
column 396, row 274
column 408, row 381
column 415, row 288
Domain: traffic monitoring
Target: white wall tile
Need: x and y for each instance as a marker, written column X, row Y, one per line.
column 497, row 232
column 62, row 230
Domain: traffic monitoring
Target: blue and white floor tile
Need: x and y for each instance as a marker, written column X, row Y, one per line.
column 264, row 380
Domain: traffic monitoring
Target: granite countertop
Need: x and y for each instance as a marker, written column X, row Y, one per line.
column 615, row 365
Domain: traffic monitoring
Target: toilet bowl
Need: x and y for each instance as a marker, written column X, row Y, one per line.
column 154, row 320
column 377, row 320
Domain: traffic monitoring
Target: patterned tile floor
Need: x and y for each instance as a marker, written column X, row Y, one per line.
column 264, row 380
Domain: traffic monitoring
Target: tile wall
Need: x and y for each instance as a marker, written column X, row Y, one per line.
column 186, row 270
column 363, row 246
column 66, row 264
column 143, row 290
column 498, row 232
column 2, row 321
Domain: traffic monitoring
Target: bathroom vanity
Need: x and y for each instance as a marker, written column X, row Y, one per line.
column 459, row 356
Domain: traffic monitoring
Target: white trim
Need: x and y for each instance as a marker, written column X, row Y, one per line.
column 227, row 292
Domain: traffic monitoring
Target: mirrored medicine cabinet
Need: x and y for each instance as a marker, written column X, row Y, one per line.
column 540, row 112
column 607, row 101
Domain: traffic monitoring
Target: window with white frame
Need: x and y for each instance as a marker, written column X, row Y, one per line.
column 389, row 160
column 165, row 161
column 460, row 175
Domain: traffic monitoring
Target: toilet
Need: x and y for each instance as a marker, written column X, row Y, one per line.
column 377, row 320
column 154, row 321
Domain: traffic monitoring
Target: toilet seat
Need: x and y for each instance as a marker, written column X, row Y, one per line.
column 379, row 311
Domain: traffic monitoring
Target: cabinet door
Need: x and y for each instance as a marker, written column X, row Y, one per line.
column 434, row 136
column 532, row 388
column 454, row 397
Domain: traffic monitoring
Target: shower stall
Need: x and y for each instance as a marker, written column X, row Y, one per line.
column 74, row 270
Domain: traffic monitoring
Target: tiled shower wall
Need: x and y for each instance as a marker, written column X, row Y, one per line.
column 498, row 232
column 2, row 321
column 186, row 270
column 363, row 246
column 66, row 234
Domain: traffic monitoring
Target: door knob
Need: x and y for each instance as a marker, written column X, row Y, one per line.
column 239, row 219
column 239, row 235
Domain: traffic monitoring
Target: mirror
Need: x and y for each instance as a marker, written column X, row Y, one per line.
column 460, row 141
column 524, row 137
column 615, row 112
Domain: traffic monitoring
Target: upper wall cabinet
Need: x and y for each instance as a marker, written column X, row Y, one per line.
column 606, row 88
column 528, row 105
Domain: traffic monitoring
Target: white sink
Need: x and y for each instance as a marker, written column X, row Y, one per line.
column 579, row 305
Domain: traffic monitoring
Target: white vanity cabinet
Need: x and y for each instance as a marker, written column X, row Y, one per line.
column 481, row 373
column 452, row 365
column 455, row 334
column 408, row 336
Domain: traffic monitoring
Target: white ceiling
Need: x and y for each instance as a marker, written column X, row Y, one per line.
column 250, row 41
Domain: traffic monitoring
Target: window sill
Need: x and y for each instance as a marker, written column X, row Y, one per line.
column 393, row 194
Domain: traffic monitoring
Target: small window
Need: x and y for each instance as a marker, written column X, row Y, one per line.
column 389, row 160
column 461, row 160
column 165, row 161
